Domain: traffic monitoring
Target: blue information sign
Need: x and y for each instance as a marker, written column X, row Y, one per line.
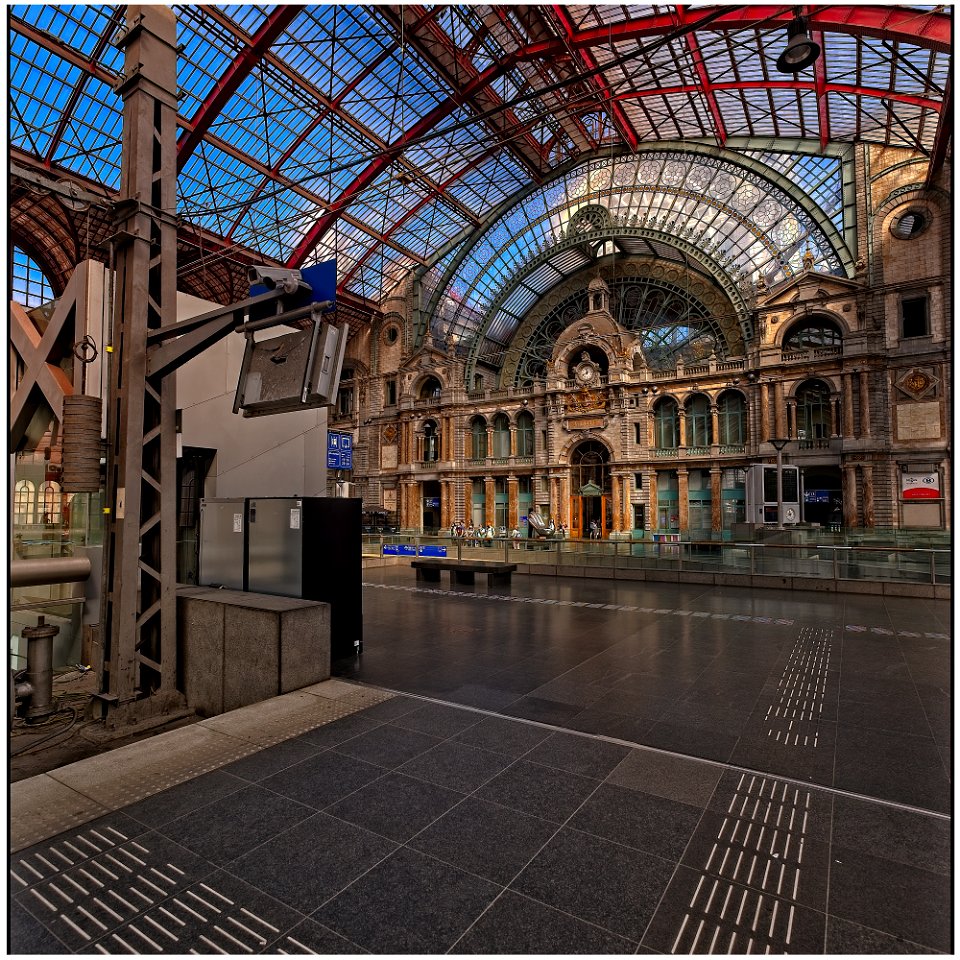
column 339, row 451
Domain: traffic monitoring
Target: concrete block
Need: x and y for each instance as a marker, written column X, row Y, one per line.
column 200, row 630
column 304, row 647
column 926, row 590
column 816, row 584
column 868, row 588
column 251, row 656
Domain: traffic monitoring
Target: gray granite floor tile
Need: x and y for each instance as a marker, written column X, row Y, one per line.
column 509, row 737
column 388, row 746
column 311, row 937
column 390, row 709
column 604, row 883
column 184, row 798
column 395, row 806
column 845, row 938
column 518, row 925
column 542, row 711
column 311, row 862
column 323, row 779
column 338, row 731
column 228, row 828
column 893, row 834
column 485, row 839
column 539, row 791
column 639, row 820
column 585, row 756
column 408, row 904
column 674, row 778
column 899, row 900
column 438, row 720
column 457, row 766
column 264, row 763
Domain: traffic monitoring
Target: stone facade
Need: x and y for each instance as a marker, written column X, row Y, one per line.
column 605, row 436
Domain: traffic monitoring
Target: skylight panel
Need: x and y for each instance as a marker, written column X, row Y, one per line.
column 91, row 142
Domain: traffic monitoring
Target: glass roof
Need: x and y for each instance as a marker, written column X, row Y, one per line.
column 382, row 134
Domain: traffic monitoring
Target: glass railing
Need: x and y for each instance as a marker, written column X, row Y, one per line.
column 821, row 561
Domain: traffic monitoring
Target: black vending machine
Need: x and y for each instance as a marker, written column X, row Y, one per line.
column 310, row 547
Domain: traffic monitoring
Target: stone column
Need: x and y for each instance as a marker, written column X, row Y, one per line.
column 864, row 403
column 490, row 503
column 617, row 506
column 850, row 496
column 489, row 441
column 716, row 500
column 791, row 419
column 847, row 388
column 764, row 412
column 513, row 503
column 564, row 511
column 834, row 415
column 683, row 498
column 416, row 505
column 447, row 504
column 651, row 430
column 513, row 439
column 652, row 499
column 627, row 511
column 869, row 515
column 714, row 424
column 780, row 413
column 683, row 427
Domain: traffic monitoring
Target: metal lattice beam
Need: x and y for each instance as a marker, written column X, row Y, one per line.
column 138, row 666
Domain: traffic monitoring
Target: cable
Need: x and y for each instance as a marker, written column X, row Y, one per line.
column 50, row 736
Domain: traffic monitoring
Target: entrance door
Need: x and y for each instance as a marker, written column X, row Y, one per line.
column 585, row 509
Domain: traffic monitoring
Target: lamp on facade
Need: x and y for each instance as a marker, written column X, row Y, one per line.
column 800, row 51
column 778, row 444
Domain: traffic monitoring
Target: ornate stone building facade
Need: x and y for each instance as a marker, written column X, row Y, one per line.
column 640, row 381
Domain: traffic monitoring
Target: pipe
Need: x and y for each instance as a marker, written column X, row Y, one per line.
column 33, row 573
column 38, row 681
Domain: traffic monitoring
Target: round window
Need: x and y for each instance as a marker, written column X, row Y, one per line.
column 391, row 334
column 908, row 225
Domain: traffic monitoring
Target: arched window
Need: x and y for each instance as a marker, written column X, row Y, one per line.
column 24, row 503
column 524, row 434
column 431, row 442
column 50, row 502
column 501, row 435
column 666, row 424
column 811, row 334
column 430, row 389
column 478, row 432
column 813, row 410
column 589, row 464
column 699, row 429
column 732, row 419
column 29, row 285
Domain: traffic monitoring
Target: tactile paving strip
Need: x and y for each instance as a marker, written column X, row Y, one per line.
column 746, row 899
column 43, row 806
column 795, row 715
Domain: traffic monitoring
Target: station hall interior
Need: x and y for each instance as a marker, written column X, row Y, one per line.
column 480, row 479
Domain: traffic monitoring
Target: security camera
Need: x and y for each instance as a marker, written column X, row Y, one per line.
column 277, row 278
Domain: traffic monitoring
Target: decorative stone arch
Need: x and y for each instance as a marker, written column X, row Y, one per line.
column 565, row 454
column 831, row 381
column 811, row 313
column 421, row 381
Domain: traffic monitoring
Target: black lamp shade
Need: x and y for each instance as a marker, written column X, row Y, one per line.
column 800, row 51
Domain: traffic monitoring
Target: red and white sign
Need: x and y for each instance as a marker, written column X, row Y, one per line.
column 921, row 486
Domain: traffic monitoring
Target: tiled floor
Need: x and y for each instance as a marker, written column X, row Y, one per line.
column 519, row 817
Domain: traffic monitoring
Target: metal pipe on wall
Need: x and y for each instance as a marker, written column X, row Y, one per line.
column 33, row 573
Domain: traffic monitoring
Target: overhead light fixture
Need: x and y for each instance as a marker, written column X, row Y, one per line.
column 800, row 51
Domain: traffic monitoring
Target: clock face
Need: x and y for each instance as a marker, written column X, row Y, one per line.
column 585, row 372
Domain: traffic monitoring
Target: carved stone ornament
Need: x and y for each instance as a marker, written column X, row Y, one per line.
column 389, row 433
column 918, row 384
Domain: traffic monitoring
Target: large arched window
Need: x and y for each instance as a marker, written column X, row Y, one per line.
column 478, row 433
column 501, row 435
column 812, row 334
column 29, row 285
column 732, row 419
column 813, row 410
column 666, row 425
column 431, row 442
column 24, row 503
column 699, row 429
column 590, row 465
column 524, row 434
column 430, row 389
column 50, row 500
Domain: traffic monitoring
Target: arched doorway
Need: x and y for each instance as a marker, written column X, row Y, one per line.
column 590, row 500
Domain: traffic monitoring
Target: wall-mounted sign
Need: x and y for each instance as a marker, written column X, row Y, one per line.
column 920, row 486
column 339, row 451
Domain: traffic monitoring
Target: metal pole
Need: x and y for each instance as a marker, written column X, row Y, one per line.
column 779, row 488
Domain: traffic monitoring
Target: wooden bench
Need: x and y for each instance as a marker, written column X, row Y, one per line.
column 463, row 571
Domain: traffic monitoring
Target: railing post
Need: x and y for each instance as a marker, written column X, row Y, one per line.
column 836, row 566
column 933, row 569
column 753, row 560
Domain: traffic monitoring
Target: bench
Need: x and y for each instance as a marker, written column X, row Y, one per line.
column 463, row 571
